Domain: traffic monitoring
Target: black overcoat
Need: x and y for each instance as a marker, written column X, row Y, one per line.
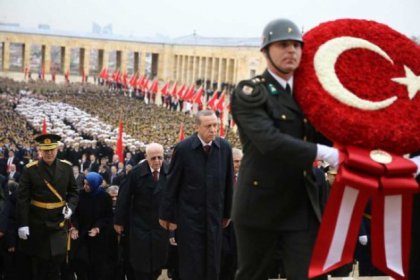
column 93, row 211
column 197, row 198
column 137, row 210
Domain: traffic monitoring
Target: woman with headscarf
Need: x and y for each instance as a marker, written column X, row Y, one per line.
column 91, row 226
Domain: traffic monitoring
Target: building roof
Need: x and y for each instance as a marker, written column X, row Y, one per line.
column 192, row 39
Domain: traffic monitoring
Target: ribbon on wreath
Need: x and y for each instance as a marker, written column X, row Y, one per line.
column 387, row 180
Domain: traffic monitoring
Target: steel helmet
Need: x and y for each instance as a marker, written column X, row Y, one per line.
column 280, row 30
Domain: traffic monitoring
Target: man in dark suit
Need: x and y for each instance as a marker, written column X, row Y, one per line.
column 277, row 199
column 197, row 200
column 79, row 177
column 136, row 214
column 12, row 159
column 13, row 174
column 46, row 197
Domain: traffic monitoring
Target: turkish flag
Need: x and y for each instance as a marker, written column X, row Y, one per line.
column 164, row 89
column 174, row 90
column 154, row 88
column 222, row 127
column 212, row 102
column 198, row 96
column 119, row 148
column 44, row 126
column 221, row 102
column 181, row 133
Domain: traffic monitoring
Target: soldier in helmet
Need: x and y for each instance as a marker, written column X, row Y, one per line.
column 46, row 197
column 276, row 197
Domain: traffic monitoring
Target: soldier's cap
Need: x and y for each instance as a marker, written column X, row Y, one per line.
column 47, row 141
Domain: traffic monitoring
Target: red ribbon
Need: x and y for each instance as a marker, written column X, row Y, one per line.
column 390, row 186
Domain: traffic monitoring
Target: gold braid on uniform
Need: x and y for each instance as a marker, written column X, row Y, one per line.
column 66, row 161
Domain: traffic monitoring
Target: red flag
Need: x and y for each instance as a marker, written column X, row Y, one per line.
column 189, row 94
column 180, row 92
column 181, row 132
column 154, row 88
column 198, row 95
column 124, row 79
column 164, row 90
column 26, row 71
column 222, row 127
column 221, row 102
column 119, row 148
column 145, row 83
column 67, row 76
column 140, row 82
column 104, row 74
column 53, row 74
column 133, row 80
column 174, row 90
column 212, row 102
column 44, row 126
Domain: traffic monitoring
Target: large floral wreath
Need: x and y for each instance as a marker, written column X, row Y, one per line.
column 359, row 85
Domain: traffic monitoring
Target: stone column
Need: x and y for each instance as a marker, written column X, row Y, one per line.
column 85, row 64
column 6, row 56
column 142, row 69
column 65, row 58
column 46, row 58
column 26, row 55
column 124, row 61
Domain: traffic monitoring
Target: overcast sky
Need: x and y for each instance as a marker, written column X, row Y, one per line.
column 214, row 18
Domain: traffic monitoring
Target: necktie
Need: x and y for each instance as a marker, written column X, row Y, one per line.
column 155, row 176
column 207, row 149
column 288, row 89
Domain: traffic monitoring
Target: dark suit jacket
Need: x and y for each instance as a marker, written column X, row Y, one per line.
column 273, row 191
column 15, row 176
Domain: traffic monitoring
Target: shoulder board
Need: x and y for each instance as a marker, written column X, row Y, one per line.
column 33, row 163
column 66, row 161
column 251, row 93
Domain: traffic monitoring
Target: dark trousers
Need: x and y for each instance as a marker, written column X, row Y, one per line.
column 8, row 265
column 256, row 248
column 91, row 271
column 47, row 269
column 141, row 275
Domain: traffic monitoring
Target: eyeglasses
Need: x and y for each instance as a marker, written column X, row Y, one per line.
column 156, row 158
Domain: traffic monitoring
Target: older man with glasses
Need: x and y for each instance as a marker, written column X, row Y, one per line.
column 136, row 215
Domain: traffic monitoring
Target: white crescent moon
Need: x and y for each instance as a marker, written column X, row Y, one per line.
column 324, row 63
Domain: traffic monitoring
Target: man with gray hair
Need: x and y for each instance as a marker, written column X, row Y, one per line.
column 198, row 198
column 136, row 215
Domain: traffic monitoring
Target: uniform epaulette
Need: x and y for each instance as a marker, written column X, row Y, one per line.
column 66, row 161
column 33, row 163
column 251, row 93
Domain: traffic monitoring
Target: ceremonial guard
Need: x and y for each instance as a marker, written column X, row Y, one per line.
column 46, row 198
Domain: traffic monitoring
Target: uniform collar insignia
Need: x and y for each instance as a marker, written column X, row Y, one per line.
column 272, row 89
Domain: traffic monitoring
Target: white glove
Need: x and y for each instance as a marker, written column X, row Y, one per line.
column 363, row 239
column 67, row 213
column 23, row 232
column 327, row 154
column 416, row 161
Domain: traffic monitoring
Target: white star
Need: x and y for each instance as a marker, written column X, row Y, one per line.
column 411, row 81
